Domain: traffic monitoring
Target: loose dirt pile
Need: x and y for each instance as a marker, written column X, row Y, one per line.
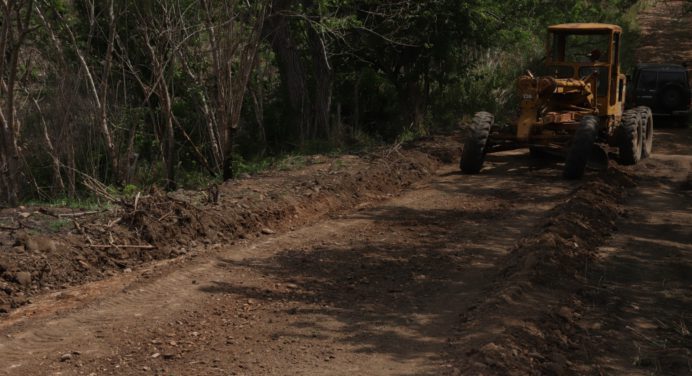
column 41, row 249
column 540, row 284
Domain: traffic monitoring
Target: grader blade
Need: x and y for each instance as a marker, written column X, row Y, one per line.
column 598, row 159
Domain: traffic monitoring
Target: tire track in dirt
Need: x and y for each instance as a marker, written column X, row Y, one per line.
column 525, row 324
column 571, row 300
column 639, row 310
column 371, row 291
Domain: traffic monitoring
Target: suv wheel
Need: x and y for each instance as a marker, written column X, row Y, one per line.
column 672, row 97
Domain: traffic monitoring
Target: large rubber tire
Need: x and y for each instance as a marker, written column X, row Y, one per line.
column 673, row 97
column 631, row 137
column 647, row 120
column 473, row 155
column 580, row 150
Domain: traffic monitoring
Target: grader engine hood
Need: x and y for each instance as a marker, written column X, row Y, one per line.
column 548, row 100
column 561, row 93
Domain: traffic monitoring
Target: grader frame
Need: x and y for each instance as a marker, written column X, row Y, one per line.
column 575, row 109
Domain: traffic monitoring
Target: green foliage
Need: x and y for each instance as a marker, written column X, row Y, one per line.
column 289, row 163
column 58, row 225
column 280, row 163
column 410, row 134
column 130, row 190
column 86, row 203
column 195, row 179
column 252, row 167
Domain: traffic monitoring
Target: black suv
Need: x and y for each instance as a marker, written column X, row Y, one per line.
column 665, row 88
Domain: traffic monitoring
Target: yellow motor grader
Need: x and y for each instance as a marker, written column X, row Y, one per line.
column 575, row 108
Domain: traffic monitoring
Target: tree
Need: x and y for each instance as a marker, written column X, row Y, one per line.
column 97, row 82
column 234, row 46
column 15, row 29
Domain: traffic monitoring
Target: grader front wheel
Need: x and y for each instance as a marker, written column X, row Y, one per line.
column 580, row 151
column 473, row 155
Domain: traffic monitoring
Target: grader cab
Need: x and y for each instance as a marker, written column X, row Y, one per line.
column 574, row 109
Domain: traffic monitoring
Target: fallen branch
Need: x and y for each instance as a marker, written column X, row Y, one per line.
column 75, row 215
column 165, row 216
column 114, row 222
column 122, row 246
column 137, row 200
column 47, row 212
column 98, row 188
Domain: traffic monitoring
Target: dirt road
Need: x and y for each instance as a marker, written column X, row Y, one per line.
column 641, row 294
column 380, row 290
column 372, row 291
column 665, row 33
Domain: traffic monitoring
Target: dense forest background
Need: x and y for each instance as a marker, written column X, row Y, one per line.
column 119, row 95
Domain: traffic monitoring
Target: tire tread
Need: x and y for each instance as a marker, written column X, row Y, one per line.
column 473, row 154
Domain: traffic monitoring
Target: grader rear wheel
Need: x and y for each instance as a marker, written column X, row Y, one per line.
column 631, row 138
column 647, row 120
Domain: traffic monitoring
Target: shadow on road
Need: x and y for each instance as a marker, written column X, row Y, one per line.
column 396, row 286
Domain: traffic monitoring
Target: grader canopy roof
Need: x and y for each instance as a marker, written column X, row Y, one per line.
column 585, row 28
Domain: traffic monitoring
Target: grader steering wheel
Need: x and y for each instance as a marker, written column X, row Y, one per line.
column 594, row 55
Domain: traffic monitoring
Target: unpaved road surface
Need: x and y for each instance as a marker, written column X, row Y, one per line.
column 385, row 289
column 641, row 290
column 665, row 33
column 513, row 271
column 371, row 291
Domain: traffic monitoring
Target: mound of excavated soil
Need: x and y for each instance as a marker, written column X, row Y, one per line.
column 42, row 250
column 539, row 283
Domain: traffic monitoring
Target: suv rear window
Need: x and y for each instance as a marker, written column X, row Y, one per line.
column 665, row 77
column 647, row 80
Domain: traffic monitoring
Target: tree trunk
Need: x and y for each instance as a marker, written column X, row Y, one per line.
column 356, row 106
column 291, row 69
column 8, row 123
column 11, row 164
column 71, row 172
column 211, row 126
column 411, row 100
column 3, row 164
column 130, row 157
column 168, row 133
column 258, row 104
column 160, row 63
column 58, row 184
column 229, row 138
column 103, row 98
column 323, row 85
